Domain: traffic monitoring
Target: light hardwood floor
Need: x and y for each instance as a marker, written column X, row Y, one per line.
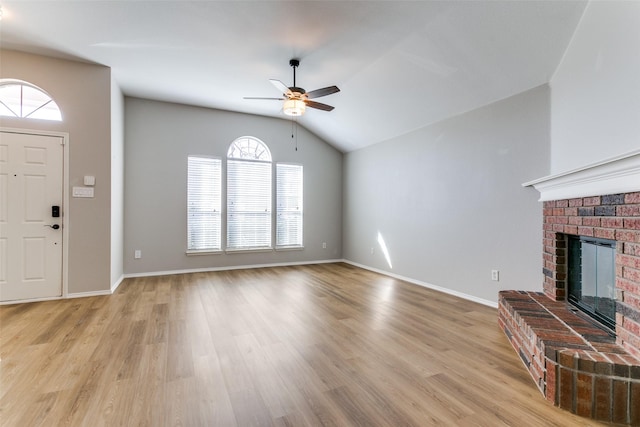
column 327, row 344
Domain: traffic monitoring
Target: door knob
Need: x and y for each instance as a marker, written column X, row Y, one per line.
column 54, row 226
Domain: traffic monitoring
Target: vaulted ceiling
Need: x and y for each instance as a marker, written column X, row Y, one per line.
column 400, row 65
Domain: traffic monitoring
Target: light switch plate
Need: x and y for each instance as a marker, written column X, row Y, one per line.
column 89, row 180
column 83, row 192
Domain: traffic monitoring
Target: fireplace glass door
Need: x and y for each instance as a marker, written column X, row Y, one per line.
column 591, row 278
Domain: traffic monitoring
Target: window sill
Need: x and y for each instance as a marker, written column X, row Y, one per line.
column 247, row 250
column 204, row 252
column 289, row 248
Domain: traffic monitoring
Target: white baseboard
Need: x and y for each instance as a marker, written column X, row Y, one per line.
column 227, row 268
column 284, row 264
column 89, row 294
column 426, row 285
column 117, row 283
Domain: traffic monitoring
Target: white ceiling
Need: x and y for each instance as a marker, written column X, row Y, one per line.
column 400, row 65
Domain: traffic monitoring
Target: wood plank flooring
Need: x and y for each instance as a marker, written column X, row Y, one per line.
column 327, row 344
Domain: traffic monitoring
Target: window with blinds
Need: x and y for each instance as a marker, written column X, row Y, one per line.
column 289, row 205
column 204, row 226
column 248, row 195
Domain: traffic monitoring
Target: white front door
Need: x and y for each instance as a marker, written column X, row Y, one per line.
column 31, row 177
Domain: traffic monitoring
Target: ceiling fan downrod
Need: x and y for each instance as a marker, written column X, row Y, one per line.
column 295, row 89
column 294, row 63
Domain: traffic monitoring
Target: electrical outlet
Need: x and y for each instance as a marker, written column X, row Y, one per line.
column 495, row 275
column 324, row 245
column 137, row 254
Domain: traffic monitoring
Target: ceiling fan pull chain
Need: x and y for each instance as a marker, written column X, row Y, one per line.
column 294, row 123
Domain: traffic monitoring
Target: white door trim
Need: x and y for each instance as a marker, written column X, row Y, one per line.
column 65, row 200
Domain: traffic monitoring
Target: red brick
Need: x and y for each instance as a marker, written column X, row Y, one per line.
column 630, row 325
column 565, row 392
column 575, row 220
column 585, row 231
column 633, row 351
column 550, row 382
column 628, row 210
column 632, row 249
column 591, row 221
column 631, row 274
column 604, row 233
column 570, row 211
column 634, row 406
column 631, row 223
column 632, row 301
column 628, row 261
column 632, row 198
column 571, row 229
column 562, row 203
column 611, row 222
column 602, row 399
column 628, row 338
column 558, row 227
column 591, row 201
column 620, row 400
column 628, row 285
column 575, row 202
column 628, row 236
column 549, row 204
column 558, row 211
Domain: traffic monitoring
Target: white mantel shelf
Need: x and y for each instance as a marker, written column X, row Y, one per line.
column 619, row 174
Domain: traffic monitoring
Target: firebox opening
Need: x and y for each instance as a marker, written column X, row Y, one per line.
column 591, row 278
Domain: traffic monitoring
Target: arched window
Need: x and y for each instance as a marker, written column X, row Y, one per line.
column 24, row 100
column 248, row 194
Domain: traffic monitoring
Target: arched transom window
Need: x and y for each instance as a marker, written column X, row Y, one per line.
column 24, row 100
column 249, row 148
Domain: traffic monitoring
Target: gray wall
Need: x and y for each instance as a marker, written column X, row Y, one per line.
column 448, row 202
column 82, row 91
column 159, row 137
column 595, row 92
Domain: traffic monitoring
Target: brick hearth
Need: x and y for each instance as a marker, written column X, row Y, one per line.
column 576, row 365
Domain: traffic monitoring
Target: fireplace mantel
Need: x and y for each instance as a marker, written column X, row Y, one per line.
column 619, row 174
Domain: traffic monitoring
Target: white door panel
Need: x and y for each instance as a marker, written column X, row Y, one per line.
column 30, row 183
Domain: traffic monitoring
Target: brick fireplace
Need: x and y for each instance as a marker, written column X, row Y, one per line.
column 615, row 217
column 576, row 363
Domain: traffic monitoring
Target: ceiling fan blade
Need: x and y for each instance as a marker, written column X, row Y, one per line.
column 281, row 87
column 322, row 92
column 259, row 97
column 319, row 105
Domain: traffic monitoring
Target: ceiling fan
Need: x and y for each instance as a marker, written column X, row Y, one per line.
column 297, row 99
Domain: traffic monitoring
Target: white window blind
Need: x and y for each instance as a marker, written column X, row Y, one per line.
column 203, row 204
column 248, row 204
column 289, row 205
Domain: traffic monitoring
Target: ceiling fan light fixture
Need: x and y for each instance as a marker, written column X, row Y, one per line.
column 294, row 107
